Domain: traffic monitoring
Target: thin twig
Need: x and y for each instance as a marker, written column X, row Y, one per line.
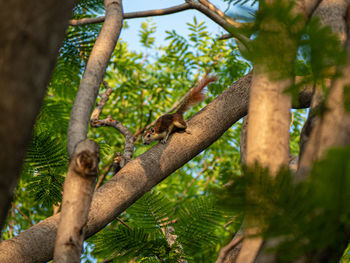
column 122, row 222
column 24, row 215
column 225, row 36
column 157, row 12
column 205, row 167
column 103, row 176
column 104, row 98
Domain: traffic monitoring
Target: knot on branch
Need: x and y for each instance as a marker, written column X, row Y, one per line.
column 85, row 158
column 86, row 163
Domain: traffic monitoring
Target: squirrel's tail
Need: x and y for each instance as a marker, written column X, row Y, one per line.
column 196, row 94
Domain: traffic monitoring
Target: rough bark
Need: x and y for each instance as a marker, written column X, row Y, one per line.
column 31, row 34
column 94, row 73
column 229, row 252
column 333, row 128
column 78, row 190
column 141, row 174
column 268, row 118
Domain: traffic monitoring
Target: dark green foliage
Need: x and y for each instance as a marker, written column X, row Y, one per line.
column 194, row 224
column 309, row 218
column 45, row 162
column 152, row 211
column 197, row 221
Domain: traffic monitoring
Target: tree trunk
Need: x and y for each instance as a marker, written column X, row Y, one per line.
column 332, row 129
column 31, row 34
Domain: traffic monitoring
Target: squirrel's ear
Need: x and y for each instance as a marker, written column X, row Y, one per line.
column 152, row 130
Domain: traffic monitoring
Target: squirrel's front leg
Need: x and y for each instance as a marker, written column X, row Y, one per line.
column 163, row 141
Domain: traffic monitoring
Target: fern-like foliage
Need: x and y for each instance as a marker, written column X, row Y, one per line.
column 193, row 225
column 198, row 219
column 152, row 212
column 45, row 162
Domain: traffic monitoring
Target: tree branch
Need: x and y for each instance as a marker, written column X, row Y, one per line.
column 157, row 12
column 229, row 247
column 78, row 191
column 141, row 174
column 93, row 75
column 333, row 128
column 103, row 176
column 220, row 18
column 203, row 6
column 109, row 122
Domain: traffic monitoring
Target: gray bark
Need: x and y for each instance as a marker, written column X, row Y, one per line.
column 141, row 174
column 78, row 190
column 31, row 34
column 94, row 73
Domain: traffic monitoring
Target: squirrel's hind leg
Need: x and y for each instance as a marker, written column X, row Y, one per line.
column 181, row 124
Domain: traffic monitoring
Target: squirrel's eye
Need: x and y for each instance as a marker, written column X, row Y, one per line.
column 148, row 135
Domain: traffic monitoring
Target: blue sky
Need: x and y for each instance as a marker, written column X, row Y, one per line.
column 175, row 21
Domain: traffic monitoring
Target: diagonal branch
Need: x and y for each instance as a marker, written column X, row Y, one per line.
column 220, row 18
column 93, row 75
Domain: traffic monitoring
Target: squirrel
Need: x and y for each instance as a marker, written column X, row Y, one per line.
column 167, row 123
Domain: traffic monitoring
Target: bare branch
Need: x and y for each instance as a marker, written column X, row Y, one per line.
column 103, row 176
column 109, row 122
column 30, row 222
column 220, row 18
column 94, row 72
column 203, row 6
column 100, row 105
column 157, row 12
column 123, row 223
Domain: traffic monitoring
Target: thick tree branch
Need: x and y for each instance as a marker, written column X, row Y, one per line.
column 94, row 73
column 141, row 174
column 78, row 190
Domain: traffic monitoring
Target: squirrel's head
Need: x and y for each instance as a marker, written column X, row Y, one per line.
column 149, row 136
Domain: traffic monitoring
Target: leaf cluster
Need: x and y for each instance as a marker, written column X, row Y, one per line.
column 158, row 230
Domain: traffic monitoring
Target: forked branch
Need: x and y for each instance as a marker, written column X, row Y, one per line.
column 119, row 161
